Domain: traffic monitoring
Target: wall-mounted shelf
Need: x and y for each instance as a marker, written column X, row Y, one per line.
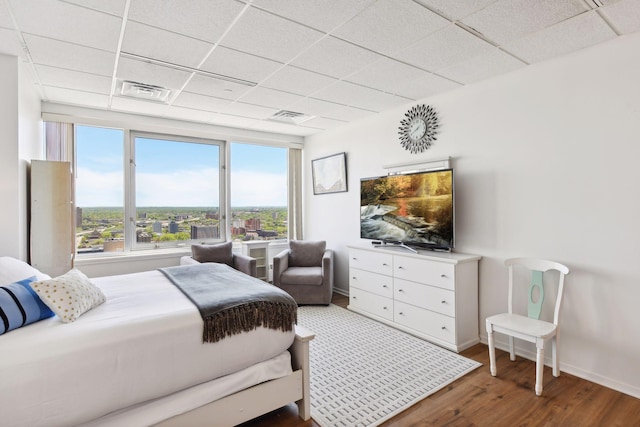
column 424, row 165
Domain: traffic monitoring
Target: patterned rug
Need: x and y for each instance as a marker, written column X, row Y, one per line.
column 364, row 372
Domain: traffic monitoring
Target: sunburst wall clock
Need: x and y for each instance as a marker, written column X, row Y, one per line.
column 418, row 128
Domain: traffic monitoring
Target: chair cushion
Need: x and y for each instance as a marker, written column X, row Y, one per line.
column 302, row 276
column 221, row 253
column 306, row 253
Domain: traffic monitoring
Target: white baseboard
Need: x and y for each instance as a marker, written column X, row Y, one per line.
column 341, row 291
column 629, row 389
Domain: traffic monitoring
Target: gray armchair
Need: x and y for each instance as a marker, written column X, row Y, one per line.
column 305, row 271
column 221, row 253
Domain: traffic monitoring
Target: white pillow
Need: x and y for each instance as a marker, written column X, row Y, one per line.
column 69, row 295
column 14, row 270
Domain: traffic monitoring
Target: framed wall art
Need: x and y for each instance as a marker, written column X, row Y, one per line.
column 329, row 174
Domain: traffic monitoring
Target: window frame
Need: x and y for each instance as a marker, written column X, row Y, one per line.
column 131, row 244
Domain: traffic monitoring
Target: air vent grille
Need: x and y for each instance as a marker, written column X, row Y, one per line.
column 291, row 117
column 145, row 91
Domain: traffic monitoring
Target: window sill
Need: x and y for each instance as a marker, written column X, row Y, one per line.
column 132, row 256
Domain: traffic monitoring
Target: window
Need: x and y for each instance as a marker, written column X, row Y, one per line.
column 177, row 191
column 99, row 189
column 258, row 193
column 141, row 191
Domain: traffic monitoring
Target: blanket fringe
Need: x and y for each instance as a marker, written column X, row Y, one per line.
column 247, row 317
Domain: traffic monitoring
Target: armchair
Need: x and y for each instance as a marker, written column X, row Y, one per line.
column 305, row 271
column 222, row 253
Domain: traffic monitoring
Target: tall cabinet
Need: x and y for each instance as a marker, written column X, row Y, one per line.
column 52, row 236
column 431, row 295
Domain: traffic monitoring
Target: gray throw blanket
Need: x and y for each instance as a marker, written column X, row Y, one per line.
column 231, row 302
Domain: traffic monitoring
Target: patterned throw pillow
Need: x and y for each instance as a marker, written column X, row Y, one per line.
column 69, row 295
column 20, row 305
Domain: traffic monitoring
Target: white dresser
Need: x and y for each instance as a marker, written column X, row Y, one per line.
column 432, row 295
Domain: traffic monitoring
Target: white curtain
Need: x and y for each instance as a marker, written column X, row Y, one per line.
column 295, row 194
column 59, row 141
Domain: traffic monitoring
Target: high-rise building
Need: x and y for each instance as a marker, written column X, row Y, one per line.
column 157, row 227
column 173, row 227
column 78, row 216
column 199, row 232
column 252, row 224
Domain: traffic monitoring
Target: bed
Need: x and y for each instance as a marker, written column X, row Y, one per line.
column 139, row 359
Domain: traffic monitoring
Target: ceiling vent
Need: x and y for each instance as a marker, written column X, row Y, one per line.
column 145, row 91
column 290, row 117
column 595, row 4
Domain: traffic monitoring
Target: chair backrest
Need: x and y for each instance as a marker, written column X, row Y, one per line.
column 538, row 267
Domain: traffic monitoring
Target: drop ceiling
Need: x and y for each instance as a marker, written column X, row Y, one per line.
column 239, row 62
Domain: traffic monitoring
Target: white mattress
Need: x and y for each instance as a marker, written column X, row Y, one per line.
column 143, row 343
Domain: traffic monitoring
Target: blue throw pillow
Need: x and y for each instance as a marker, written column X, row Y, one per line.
column 20, row 305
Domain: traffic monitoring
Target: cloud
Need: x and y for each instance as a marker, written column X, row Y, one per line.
column 181, row 188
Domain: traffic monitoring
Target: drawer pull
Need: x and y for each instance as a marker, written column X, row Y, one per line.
column 401, row 313
column 384, row 286
column 400, row 267
column 385, row 264
column 384, row 308
column 444, row 327
column 443, row 275
column 354, row 278
column 443, row 302
column 354, row 297
column 400, row 290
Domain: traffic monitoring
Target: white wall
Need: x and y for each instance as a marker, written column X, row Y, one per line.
column 20, row 141
column 546, row 165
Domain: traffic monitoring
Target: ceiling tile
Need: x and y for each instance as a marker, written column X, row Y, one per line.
column 385, row 74
column 151, row 74
column 317, row 107
column 424, row 86
column 390, row 25
column 624, row 15
column 149, row 108
column 164, row 45
column 270, row 98
column 269, row 36
column 323, row 123
column 335, row 58
column 240, row 65
column 114, row 7
column 68, row 22
column 568, row 36
column 200, row 102
column 233, row 121
column 249, row 110
column 297, row 80
column 457, row 9
column 359, row 96
column 202, row 19
column 482, row 66
column 211, row 86
column 444, row 48
column 189, row 114
column 323, row 15
column 70, row 79
column 70, row 56
column 506, row 20
column 76, row 97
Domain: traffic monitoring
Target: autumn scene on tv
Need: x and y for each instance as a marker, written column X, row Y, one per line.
column 412, row 209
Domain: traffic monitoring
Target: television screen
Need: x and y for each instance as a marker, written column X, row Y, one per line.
column 415, row 209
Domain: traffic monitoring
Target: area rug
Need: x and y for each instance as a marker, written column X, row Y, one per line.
column 364, row 372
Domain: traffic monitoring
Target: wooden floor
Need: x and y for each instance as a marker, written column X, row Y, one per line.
column 478, row 399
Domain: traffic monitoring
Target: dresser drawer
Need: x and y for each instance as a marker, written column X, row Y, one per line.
column 375, row 262
column 371, row 282
column 425, row 321
column 430, row 297
column 372, row 303
column 434, row 273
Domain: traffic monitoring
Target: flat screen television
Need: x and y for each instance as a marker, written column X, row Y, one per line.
column 413, row 209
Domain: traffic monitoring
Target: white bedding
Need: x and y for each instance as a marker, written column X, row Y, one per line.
column 143, row 343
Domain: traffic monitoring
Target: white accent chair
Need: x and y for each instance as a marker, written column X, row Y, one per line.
column 529, row 327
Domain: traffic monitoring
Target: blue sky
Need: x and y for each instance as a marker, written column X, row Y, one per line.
column 173, row 174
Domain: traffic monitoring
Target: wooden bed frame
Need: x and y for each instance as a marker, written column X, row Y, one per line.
column 259, row 399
